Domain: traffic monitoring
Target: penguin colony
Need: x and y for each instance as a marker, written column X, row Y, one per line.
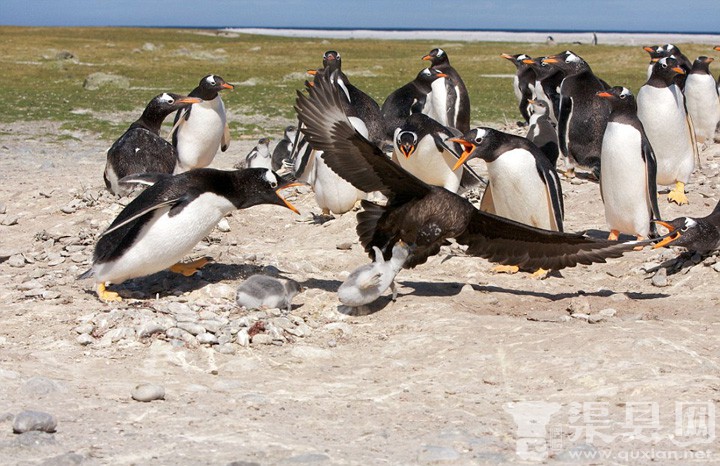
column 405, row 161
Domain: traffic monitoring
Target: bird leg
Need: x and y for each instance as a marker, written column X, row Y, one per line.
column 639, row 248
column 190, row 268
column 569, row 172
column 677, row 195
column 394, row 291
column 614, row 235
column 506, row 269
column 105, row 295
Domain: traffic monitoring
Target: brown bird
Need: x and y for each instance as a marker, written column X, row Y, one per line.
column 426, row 216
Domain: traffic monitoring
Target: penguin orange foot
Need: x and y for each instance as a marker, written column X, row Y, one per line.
column 511, row 269
column 190, row 268
column 677, row 195
column 105, row 295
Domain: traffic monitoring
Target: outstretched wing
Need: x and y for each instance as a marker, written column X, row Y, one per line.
column 508, row 242
column 345, row 150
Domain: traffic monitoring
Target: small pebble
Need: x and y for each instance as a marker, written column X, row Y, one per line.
column 580, row 315
column 85, row 339
column 579, row 305
column 262, row 339
column 242, row 338
column 148, row 392
column 193, row 328
column 28, row 421
column 84, row 328
column 150, row 328
column 10, row 220
column 344, row 246
column 660, row 278
column 595, row 318
column 16, row 260
column 609, row 312
column 227, row 348
column 207, row 338
column 223, row 225
column 716, row 267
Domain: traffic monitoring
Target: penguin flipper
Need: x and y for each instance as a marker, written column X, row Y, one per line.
column 147, row 179
column 651, row 176
column 180, row 118
column 693, row 138
column 141, row 213
column 370, row 281
column 554, row 194
column 225, row 142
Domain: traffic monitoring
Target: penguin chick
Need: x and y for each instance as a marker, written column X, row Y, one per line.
column 260, row 156
column 283, row 151
column 269, row 292
column 141, row 149
column 171, row 216
column 541, row 130
column 369, row 281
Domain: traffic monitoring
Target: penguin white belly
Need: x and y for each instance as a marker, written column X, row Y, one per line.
column 166, row 239
column 623, row 181
column 703, row 104
column 665, row 123
column 198, row 138
column 426, row 164
column 541, row 95
column 332, row 192
column 516, row 88
column 518, row 191
column 436, row 103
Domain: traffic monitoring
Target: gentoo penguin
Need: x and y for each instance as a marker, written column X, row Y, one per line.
column 717, row 48
column 200, row 130
column 547, row 84
column 420, row 147
column 582, row 117
column 669, row 50
column 449, row 93
column 260, row 156
column 628, row 170
column 366, row 283
column 523, row 82
column 171, row 216
column 701, row 98
column 284, row 149
column 701, row 235
column 661, row 109
column 356, row 103
column 141, row 149
column 261, row 291
column 542, row 132
column 425, row 216
column 522, row 184
column 408, row 99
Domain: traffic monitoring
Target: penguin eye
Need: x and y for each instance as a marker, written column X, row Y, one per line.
column 622, row 96
column 684, row 229
column 664, row 65
column 478, row 139
column 273, row 184
column 171, row 101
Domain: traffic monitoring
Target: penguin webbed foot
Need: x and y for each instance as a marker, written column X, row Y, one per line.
column 509, row 269
column 190, row 268
column 107, row 296
column 677, row 194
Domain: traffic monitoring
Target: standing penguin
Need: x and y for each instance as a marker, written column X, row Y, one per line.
column 141, row 149
column 284, row 149
column 259, row 156
column 717, row 48
column 582, row 117
column 408, row 99
column 701, row 97
column 542, row 132
column 197, row 134
column 669, row 50
column 167, row 219
column 548, row 78
column 450, row 94
column 420, row 147
column 523, row 82
column 661, row 109
column 628, row 170
column 522, row 184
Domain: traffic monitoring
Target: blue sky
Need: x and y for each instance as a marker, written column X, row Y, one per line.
column 594, row 15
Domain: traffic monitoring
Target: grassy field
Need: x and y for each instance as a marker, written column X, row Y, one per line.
column 35, row 84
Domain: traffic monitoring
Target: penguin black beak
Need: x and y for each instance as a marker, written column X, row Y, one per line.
column 670, row 237
column 285, row 202
column 468, row 148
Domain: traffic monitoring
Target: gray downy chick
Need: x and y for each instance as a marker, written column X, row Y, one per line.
column 260, row 156
column 263, row 291
column 369, row 281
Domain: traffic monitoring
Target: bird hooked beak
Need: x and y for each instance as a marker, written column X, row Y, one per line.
column 287, row 204
column 468, row 148
column 671, row 236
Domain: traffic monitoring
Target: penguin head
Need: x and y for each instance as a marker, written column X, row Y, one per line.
column 331, row 59
column 428, row 75
column 290, row 132
column 255, row 186
column 517, row 59
column 437, row 57
column 666, row 69
column 166, row 103
column 539, row 106
column 406, row 142
column 655, row 51
column 210, row 85
column 475, row 144
column 567, row 61
column 682, row 231
column 701, row 65
column 401, row 251
column 619, row 97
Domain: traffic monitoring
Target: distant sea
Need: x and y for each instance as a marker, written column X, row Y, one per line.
column 583, row 37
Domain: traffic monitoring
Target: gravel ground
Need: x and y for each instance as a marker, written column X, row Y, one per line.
column 610, row 363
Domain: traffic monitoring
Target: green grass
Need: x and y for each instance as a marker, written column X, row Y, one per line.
column 34, row 85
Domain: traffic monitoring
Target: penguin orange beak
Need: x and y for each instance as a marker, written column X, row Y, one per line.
column 709, row 59
column 532, row 101
column 312, row 72
column 671, row 236
column 604, row 94
column 287, row 204
column 427, row 57
column 407, row 150
column 441, row 75
column 507, row 56
column 227, row 86
column 717, row 47
column 189, row 100
column 648, row 49
column 678, row 70
column 468, row 149
column 551, row 59
column 528, row 61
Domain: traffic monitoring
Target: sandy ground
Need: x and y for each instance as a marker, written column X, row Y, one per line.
column 467, row 367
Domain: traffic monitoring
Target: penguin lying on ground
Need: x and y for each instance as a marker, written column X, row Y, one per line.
column 141, row 149
column 200, row 130
column 368, row 282
column 701, row 235
column 628, row 170
column 171, row 216
column 261, row 291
